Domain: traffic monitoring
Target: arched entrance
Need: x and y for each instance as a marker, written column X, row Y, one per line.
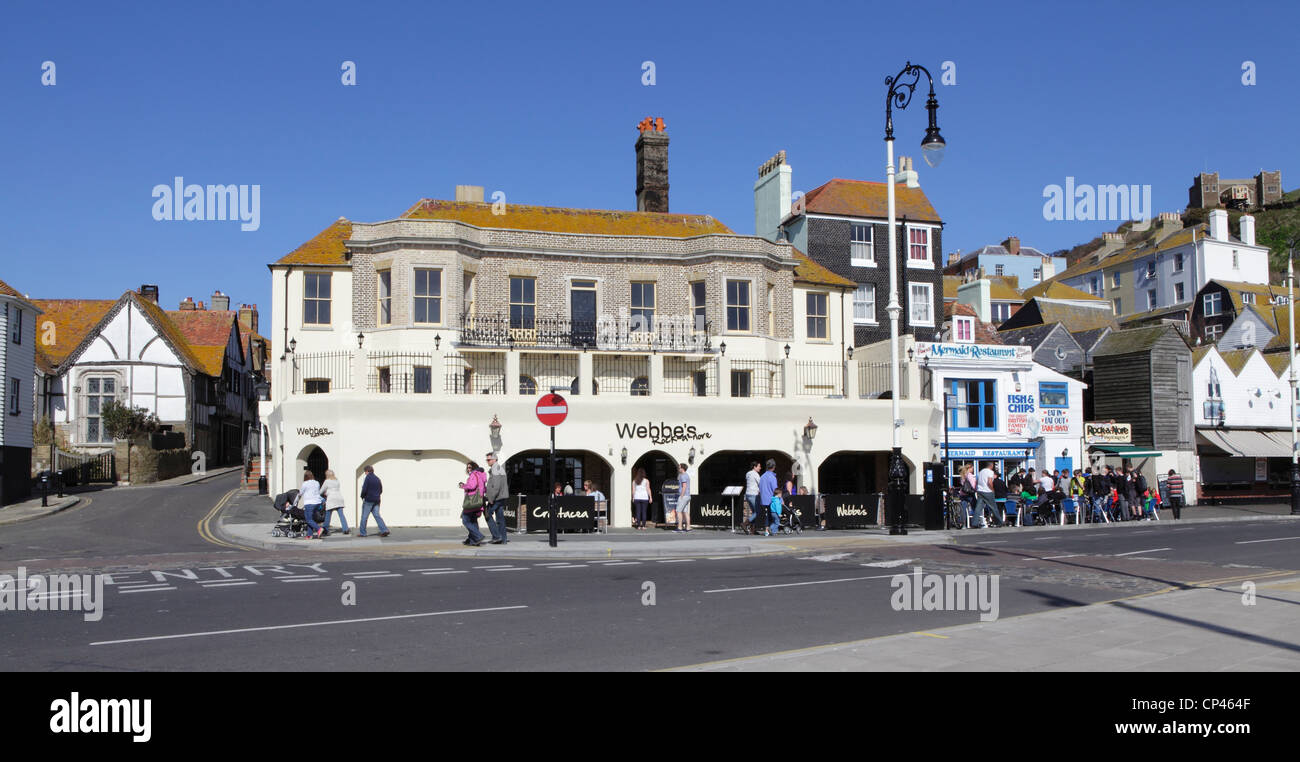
column 660, row 467
column 854, row 472
column 727, row 468
column 529, row 472
column 314, row 459
column 419, row 487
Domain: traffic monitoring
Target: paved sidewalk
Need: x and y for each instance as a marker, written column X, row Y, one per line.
column 1206, row 628
column 248, row 521
column 184, row 479
column 32, row 509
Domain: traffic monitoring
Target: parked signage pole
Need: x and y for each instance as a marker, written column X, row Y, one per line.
column 551, row 411
column 1295, row 452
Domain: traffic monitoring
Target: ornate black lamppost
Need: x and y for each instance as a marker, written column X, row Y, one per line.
column 901, row 88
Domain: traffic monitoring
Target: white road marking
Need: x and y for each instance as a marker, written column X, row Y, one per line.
column 888, row 564
column 303, row 624
column 993, row 542
column 449, row 571
column 1271, row 539
column 375, row 576
column 677, row 561
column 1069, row 555
column 364, row 573
column 558, row 563
column 142, row 586
column 496, row 566
column 623, row 563
column 826, row 558
column 798, row 584
column 229, row 584
column 147, row 590
column 513, row 568
column 567, row 566
column 1135, row 552
column 304, row 579
column 440, row 568
column 723, row 558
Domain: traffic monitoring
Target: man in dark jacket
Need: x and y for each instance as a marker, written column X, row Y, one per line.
column 497, row 492
column 371, row 489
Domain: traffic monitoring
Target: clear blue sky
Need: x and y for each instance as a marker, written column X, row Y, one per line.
column 540, row 101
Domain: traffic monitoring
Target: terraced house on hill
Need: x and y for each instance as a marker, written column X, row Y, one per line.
column 1156, row 277
column 193, row 367
column 415, row 344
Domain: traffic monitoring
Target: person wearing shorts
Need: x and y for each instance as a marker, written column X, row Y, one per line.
column 683, row 498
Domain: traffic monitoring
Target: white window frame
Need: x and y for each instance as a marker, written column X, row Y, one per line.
column 999, row 270
column 870, row 319
column 1178, row 262
column 15, row 396
column 104, row 398
column 642, row 316
column 1213, row 300
column 17, row 325
column 385, row 296
column 920, row 264
column 856, row 245
column 960, row 323
column 1153, row 299
column 1179, row 293
column 748, row 307
column 1115, row 279
column 438, row 298
column 824, row 317
column 912, row 303
column 1038, row 274
column 1247, row 298
column 1151, row 269
column 328, row 277
column 699, row 309
column 1118, row 305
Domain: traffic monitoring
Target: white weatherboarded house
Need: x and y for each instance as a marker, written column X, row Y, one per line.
column 17, row 371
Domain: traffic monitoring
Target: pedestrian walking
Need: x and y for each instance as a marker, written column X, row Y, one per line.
column 1174, row 483
column 1131, row 494
column 601, row 503
column 774, row 510
column 475, row 487
column 752, row 478
column 333, row 501
column 309, row 499
column 641, row 497
column 985, row 500
column 496, row 493
column 683, row 498
column 767, row 487
column 371, row 490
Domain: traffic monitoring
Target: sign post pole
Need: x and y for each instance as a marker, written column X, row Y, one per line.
column 551, row 411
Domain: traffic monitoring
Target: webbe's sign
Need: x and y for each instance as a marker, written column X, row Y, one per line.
column 852, row 511
column 714, row 510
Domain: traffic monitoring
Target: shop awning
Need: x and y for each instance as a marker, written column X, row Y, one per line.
column 1127, row 451
column 1248, row 443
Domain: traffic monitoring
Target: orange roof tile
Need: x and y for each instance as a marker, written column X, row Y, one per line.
column 808, row 271
column 553, row 219
column 1056, row 290
column 9, row 290
column 860, row 198
column 326, row 248
column 73, row 320
column 207, row 332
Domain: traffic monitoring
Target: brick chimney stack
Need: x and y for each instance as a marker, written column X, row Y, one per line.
column 248, row 316
column 220, row 301
column 652, row 166
column 150, row 292
column 1012, row 245
column 187, row 305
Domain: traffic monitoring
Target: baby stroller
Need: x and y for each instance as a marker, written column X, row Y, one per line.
column 790, row 523
column 291, row 523
column 1048, row 508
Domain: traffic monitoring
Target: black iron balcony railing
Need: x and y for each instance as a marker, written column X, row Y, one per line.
column 622, row 333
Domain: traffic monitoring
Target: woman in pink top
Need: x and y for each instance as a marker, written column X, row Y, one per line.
column 474, row 484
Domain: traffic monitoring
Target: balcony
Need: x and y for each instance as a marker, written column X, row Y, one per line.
column 623, row 333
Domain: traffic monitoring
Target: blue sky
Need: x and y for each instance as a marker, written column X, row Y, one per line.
column 540, row 101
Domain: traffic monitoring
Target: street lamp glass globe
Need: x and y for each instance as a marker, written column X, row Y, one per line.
column 932, row 148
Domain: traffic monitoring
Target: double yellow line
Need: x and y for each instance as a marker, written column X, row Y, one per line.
column 205, row 524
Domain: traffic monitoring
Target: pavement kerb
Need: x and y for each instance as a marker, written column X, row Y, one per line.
column 256, row 537
column 71, row 501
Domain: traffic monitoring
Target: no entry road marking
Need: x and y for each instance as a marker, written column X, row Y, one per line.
column 303, row 624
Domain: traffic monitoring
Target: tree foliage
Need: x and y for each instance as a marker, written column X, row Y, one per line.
column 129, row 423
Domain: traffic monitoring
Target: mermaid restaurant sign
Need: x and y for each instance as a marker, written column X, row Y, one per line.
column 974, row 351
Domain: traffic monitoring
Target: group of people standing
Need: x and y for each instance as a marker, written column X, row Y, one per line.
column 1123, row 495
column 765, row 499
column 313, row 495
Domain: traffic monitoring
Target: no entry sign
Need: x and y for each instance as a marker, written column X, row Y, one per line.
column 552, row 410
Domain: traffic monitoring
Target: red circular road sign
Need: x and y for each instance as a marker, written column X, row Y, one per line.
column 552, row 410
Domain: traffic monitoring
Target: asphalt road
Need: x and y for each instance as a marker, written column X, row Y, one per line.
column 221, row 609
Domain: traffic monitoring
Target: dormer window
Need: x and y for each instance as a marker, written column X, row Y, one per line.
column 963, row 329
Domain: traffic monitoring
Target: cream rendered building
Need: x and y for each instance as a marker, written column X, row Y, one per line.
column 674, row 339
